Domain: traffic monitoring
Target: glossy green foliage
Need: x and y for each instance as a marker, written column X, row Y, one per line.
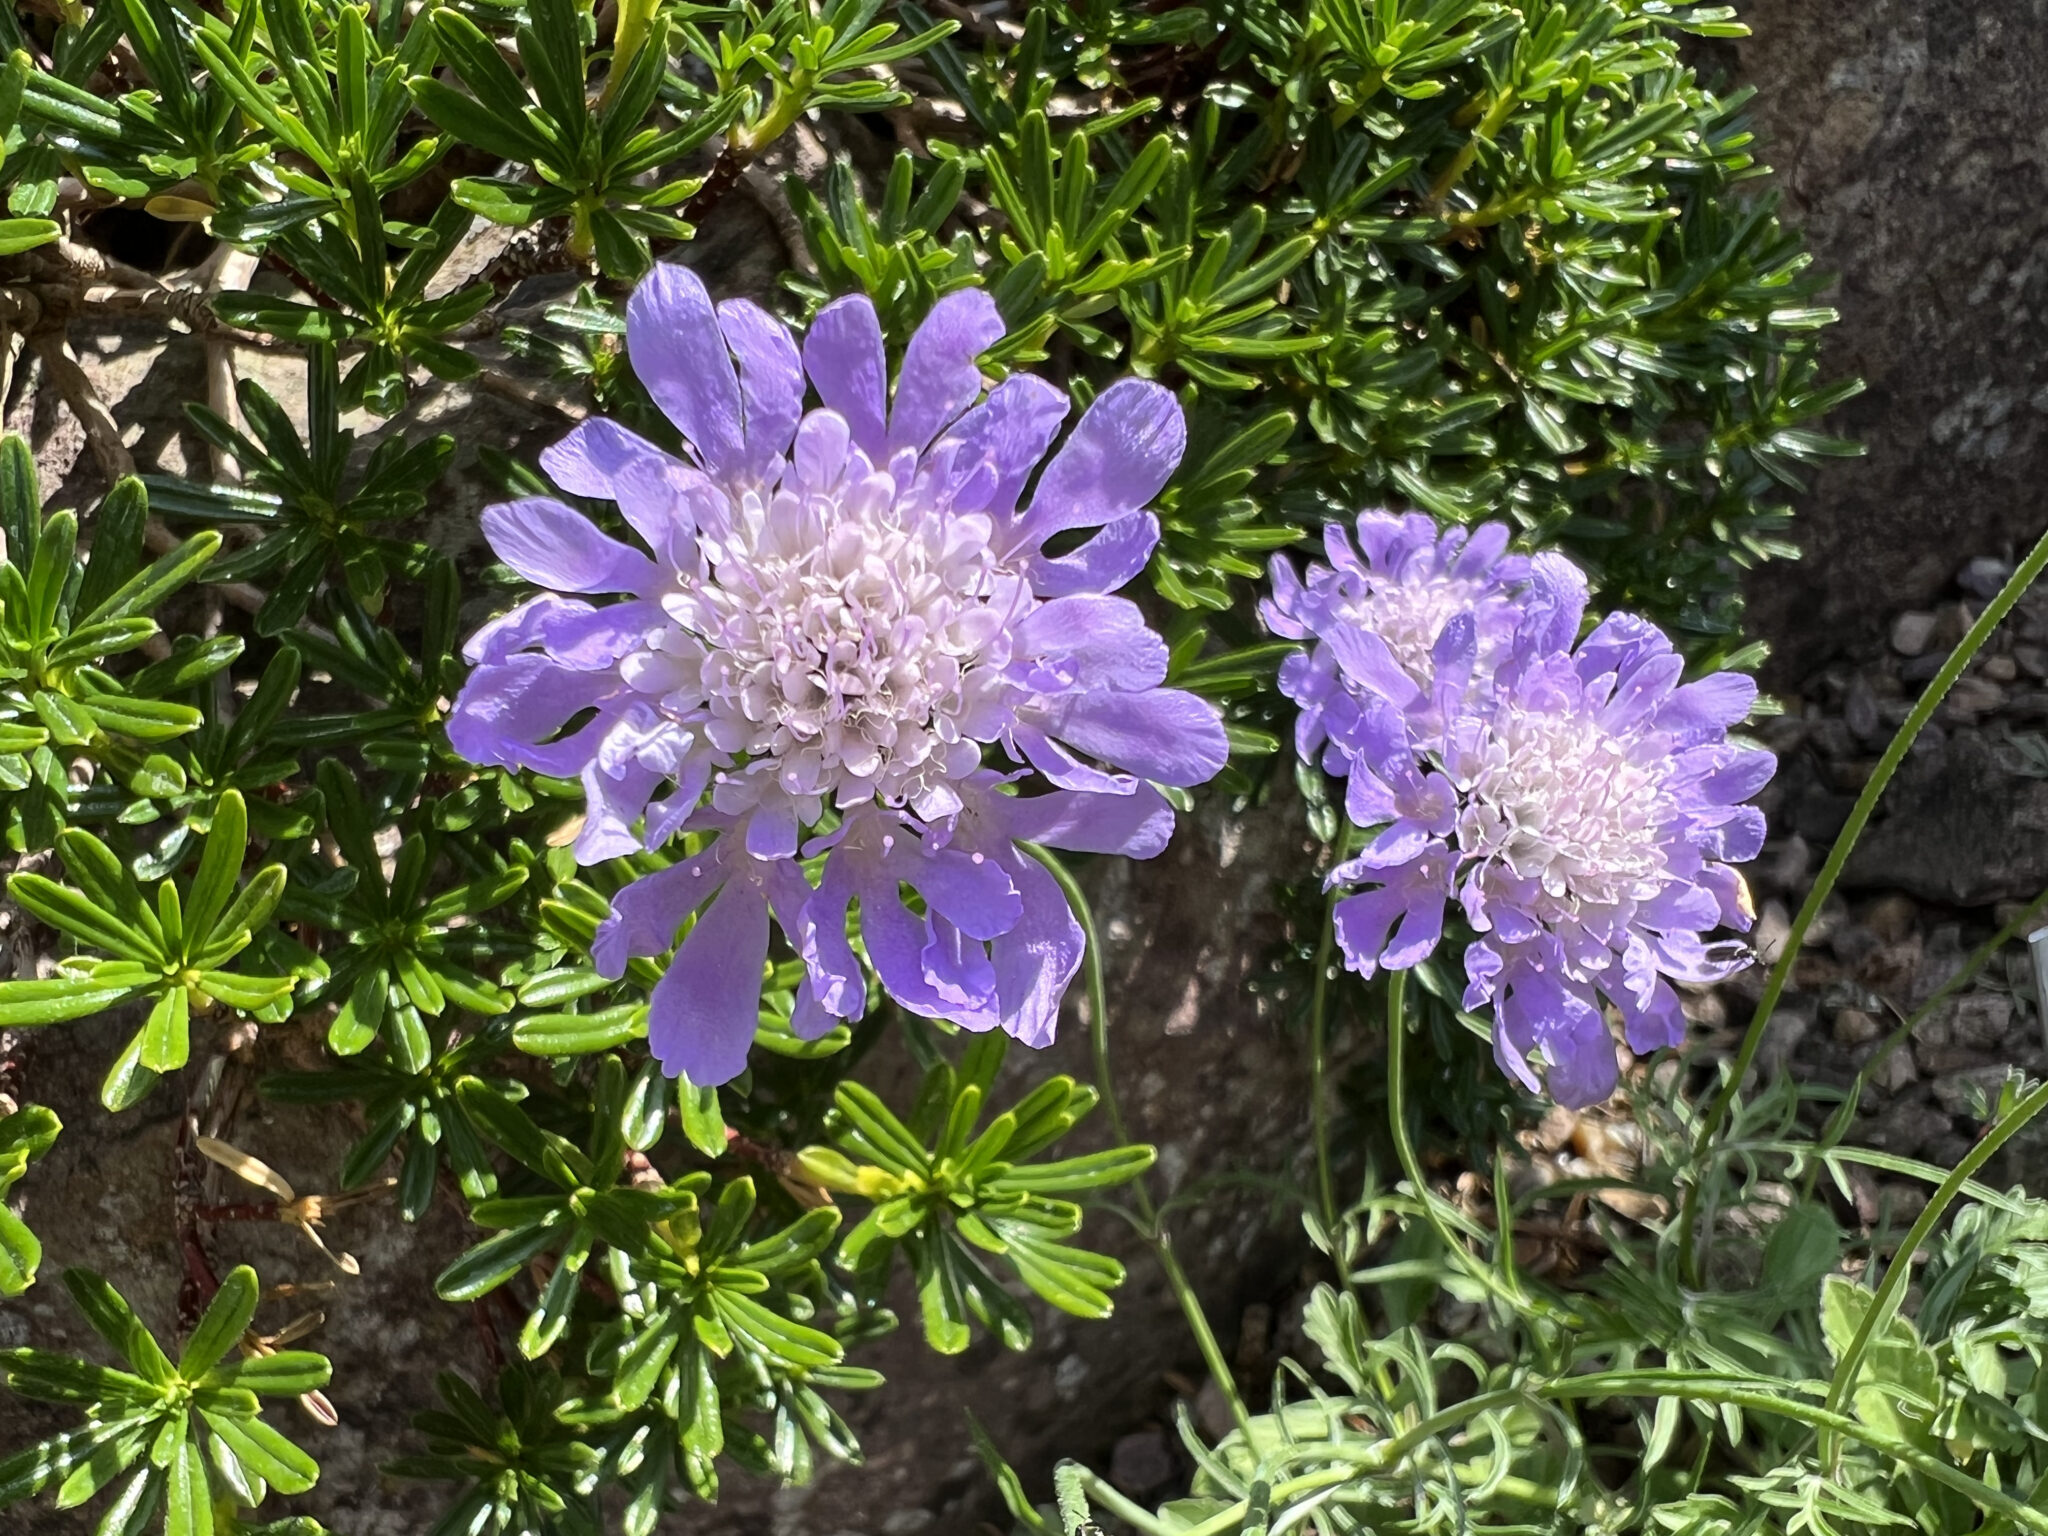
column 172, row 952
column 1486, row 257
column 184, row 1439
column 64, row 621
column 948, row 1191
column 25, row 1135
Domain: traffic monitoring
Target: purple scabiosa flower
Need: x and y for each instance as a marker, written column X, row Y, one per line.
column 1582, row 806
column 845, row 636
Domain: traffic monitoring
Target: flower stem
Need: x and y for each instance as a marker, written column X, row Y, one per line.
column 1319, row 1107
column 1823, row 886
column 1404, row 1148
column 1154, row 1229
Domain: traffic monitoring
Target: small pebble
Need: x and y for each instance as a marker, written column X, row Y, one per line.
column 1916, row 670
column 1791, row 864
column 1949, row 1061
column 1983, row 576
column 2032, row 660
column 1894, row 1073
column 1855, row 1027
column 1951, row 622
column 2001, row 669
column 1911, row 632
column 1972, row 698
column 1982, row 1020
column 1892, row 916
column 1142, row 1463
column 1212, row 1411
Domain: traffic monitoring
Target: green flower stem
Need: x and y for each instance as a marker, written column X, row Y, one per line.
column 1319, row 1105
column 1892, row 1288
column 1509, row 1294
column 1831, row 871
column 1155, row 1231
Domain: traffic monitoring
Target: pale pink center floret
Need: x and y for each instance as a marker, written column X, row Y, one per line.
column 1559, row 801
column 1409, row 615
column 848, row 638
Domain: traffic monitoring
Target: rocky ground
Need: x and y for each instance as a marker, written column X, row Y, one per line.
column 1958, row 849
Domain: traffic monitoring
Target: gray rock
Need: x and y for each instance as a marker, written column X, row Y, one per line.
column 1906, row 1127
column 1964, row 830
column 1789, row 1025
column 1855, row 1027
column 1818, row 813
column 1895, row 1073
column 1983, row 576
column 1911, row 631
column 1982, row 1020
column 1971, row 699
column 1953, row 1064
column 1873, row 113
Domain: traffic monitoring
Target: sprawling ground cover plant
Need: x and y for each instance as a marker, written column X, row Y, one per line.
column 849, row 605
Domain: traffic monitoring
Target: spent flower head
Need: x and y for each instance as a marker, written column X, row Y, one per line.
column 845, row 635
column 1580, row 804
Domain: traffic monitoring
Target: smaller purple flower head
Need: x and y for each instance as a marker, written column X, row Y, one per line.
column 1582, row 806
column 1375, row 614
column 845, row 636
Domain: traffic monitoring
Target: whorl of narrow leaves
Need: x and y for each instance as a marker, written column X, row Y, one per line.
column 946, row 1189
column 181, row 1437
column 63, row 623
column 171, row 952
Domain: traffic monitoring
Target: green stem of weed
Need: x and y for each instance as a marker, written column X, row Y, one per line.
column 1823, row 886
column 1155, row 1230
column 1496, row 116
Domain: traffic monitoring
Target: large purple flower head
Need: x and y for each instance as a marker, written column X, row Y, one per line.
column 1581, row 805
column 846, row 635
